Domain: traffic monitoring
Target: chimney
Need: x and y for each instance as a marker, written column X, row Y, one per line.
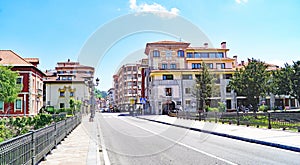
column 205, row 45
column 235, row 60
column 243, row 63
column 223, row 45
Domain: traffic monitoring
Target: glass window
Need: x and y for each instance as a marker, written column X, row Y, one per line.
column 220, row 55
column 188, row 102
column 1, row 106
column 210, row 65
column 220, row 65
column 227, row 76
column 164, row 66
column 18, row 104
column 197, row 55
column 228, row 89
column 196, row 65
column 204, row 55
column 180, row 53
column 173, row 66
column 212, row 55
column 168, row 77
column 187, row 90
column 62, row 94
column 187, row 77
column 19, row 80
column 168, row 91
column 190, row 55
column 62, row 105
column 156, row 53
column 71, row 94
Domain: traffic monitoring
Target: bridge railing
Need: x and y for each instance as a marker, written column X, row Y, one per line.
column 282, row 120
column 32, row 147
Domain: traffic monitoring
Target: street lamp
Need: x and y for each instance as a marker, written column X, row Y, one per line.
column 91, row 85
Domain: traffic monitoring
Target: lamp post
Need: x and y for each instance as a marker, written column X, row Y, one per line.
column 91, row 85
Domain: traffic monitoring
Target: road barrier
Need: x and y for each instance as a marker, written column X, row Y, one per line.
column 278, row 120
column 33, row 147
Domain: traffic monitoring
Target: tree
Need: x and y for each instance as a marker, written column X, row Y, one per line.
column 252, row 81
column 287, row 80
column 9, row 89
column 282, row 82
column 203, row 87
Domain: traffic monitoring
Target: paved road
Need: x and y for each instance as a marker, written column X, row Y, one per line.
column 129, row 140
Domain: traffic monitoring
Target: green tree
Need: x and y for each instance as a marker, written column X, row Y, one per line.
column 251, row 81
column 203, row 87
column 287, row 80
column 282, row 81
column 9, row 88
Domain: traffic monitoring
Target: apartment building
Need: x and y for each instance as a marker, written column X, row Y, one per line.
column 172, row 70
column 127, row 86
column 30, row 99
column 68, row 80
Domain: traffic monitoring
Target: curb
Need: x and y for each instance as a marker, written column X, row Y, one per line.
column 276, row 145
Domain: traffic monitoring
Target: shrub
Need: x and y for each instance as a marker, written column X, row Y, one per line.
column 263, row 108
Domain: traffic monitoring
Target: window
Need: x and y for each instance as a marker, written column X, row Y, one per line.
column 168, row 77
column 189, row 55
column 62, row 94
column 173, row 66
column 156, row 53
column 168, row 91
column 20, row 80
column 178, row 102
column 197, row 76
column 129, row 68
column 188, row 102
column 1, row 106
column 220, row 55
column 187, row 90
column 210, row 65
column 212, row 55
column 180, row 53
column 196, row 65
column 18, row 104
column 71, row 94
column 187, row 77
column 228, row 89
column 164, row 66
column 227, row 76
column 220, row 65
column 204, row 55
column 197, row 55
column 62, row 105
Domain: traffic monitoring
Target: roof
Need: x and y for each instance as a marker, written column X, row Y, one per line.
column 166, row 43
column 8, row 57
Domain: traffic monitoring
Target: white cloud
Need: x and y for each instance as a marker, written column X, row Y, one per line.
column 241, row 1
column 151, row 8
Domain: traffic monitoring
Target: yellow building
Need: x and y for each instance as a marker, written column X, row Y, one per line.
column 172, row 70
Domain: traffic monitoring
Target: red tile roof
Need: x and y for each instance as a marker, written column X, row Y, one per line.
column 8, row 57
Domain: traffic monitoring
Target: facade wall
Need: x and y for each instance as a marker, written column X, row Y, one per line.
column 55, row 98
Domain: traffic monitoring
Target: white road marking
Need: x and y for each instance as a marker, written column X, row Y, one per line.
column 105, row 154
column 182, row 144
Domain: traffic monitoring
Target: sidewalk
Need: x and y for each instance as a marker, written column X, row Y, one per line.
column 270, row 137
column 78, row 148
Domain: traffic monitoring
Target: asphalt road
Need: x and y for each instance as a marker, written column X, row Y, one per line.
column 129, row 140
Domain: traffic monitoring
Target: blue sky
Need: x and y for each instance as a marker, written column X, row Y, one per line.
column 57, row 30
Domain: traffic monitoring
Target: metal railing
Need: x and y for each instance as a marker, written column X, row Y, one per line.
column 282, row 120
column 32, row 147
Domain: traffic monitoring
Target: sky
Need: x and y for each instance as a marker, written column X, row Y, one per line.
column 58, row 30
